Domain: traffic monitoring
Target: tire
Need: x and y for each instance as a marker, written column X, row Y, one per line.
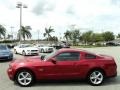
column 24, row 78
column 15, row 51
column 96, row 77
column 23, row 53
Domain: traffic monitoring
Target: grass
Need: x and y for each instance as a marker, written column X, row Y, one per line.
column 87, row 46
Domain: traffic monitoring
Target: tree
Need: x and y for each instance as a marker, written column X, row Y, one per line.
column 48, row 32
column 108, row 36
column 118, row 36
column 25, row 32
column 67, row 35
column 97, row 37
column 2, row 31
column 9, row 36
column 54, row 38
column 75, row 36
column 87, row 37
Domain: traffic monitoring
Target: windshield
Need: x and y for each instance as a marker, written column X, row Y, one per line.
column 3, row 47
column 50, row 55
column 27, row 45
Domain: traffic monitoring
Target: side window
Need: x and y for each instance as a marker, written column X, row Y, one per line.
column 90, row 56
column 68, row 56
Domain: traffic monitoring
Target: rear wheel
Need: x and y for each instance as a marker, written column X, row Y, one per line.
column 24, row 78
column 96, row 77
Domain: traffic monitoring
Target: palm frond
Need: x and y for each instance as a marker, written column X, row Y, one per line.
column 25, row 32
column 2, row 30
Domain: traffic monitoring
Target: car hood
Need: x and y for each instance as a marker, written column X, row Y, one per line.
column 27, row 59
column 31, row 48
column 4, row 51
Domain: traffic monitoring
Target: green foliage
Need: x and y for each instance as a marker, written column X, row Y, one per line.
column 67, row 35
column 2, row 31
column 73, row 35
column 108, row 36
column 54, row 38
column 9, row 41
column 97, row 37
column 87, row 37
column 48, row 32
column 118, row 36
column 25, row 32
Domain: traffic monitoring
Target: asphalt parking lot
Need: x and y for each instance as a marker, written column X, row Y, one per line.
column 110, row 84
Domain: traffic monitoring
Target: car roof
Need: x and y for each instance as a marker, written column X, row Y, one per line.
column 75, row 50
column 72, row 49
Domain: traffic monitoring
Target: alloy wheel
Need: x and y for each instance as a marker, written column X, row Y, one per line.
column 96, row 78
column 24, row 78
column 23, row 53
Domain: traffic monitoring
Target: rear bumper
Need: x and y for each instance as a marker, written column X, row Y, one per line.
column 111, row 72
column 114, row 75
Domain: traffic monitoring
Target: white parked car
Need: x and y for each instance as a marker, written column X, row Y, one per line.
column 44, row 48
column 26, row 49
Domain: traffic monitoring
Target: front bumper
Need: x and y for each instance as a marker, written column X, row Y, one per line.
column 32, row 53
column 6, row 57
column 10, row 73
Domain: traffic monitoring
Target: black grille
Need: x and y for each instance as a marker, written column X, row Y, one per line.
column 34, row 50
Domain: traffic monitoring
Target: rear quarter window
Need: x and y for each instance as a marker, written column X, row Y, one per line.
column 90, row 56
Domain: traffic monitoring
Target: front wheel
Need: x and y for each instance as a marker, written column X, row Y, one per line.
column 23, row 53
column 24, row 78
column 96, row 77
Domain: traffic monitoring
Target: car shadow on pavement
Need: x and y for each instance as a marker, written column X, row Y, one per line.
column 112, row 81
column 61, row 83
column 6, row 61
column 107, row 82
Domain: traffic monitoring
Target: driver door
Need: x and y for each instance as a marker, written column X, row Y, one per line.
column 65, row 67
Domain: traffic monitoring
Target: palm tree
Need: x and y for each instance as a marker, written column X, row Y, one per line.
column 25, row 32
column 67, row 35
column 48, row 32
column 2, row 31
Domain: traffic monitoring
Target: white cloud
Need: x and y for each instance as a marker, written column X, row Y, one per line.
column 95, row 14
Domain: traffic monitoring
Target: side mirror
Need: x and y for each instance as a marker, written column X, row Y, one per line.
column 53, row 60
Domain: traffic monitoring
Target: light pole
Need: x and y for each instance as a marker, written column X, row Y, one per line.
column 12, row 32
column 20, row 5
column 38, row 35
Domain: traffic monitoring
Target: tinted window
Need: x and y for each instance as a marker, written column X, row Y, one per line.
column 90, row 56
column 68, row 56
column 3, row 47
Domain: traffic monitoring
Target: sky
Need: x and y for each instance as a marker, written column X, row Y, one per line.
column 96, row 15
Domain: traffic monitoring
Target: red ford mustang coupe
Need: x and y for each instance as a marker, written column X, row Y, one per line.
column 64, row 64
